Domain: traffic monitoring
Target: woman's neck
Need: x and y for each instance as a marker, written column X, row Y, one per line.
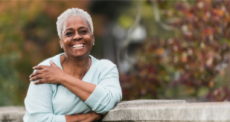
column 75, row 66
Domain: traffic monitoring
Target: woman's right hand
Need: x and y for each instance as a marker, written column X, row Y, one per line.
column 87, row 117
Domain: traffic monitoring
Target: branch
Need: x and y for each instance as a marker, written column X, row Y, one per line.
column 132, row 28
column 157, row 16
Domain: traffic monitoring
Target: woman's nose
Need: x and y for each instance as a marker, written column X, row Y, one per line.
column 77, row 36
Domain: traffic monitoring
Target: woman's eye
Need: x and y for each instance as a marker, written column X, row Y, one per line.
column 69, row 33
column 83, row 31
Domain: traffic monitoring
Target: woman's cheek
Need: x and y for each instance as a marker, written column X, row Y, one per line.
column 65, row 40
column 88, row 38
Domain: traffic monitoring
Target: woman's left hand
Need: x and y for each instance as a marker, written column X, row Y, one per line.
column 86, row 117
column 47, row 74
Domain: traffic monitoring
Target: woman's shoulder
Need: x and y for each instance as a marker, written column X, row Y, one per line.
column 102, row 62
column 104, row 65
column 106, row 62
column 55, row 59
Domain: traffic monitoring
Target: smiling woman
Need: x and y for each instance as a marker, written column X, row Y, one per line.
column 72, row 86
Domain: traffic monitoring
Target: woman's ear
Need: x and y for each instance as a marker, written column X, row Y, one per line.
column 93, row 39
column 60, row 42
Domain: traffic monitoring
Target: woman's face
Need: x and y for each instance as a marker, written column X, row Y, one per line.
column 77, row 39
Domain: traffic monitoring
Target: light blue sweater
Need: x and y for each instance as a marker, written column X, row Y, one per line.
column 51, row 102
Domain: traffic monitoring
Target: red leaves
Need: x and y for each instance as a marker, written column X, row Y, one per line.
column 220, row 94
column 190, row 57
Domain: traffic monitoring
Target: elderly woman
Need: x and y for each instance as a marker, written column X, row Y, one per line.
column 72, row 86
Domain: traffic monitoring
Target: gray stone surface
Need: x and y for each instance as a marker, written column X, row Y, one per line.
column 168, row 112
column 149, row 111
column 11, row 114
column 141, row 103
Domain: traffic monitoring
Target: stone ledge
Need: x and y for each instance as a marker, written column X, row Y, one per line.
column 141, row 103
column 182, row 112
column 12, row 114
column 149, row 111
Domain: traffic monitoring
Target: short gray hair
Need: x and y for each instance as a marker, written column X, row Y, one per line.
column 72, row 12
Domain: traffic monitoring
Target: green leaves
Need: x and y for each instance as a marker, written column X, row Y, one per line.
column 9, row 82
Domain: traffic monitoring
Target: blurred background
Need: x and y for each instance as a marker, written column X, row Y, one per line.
column 174, row 49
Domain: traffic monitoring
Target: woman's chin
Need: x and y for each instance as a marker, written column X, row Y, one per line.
column 78, row 55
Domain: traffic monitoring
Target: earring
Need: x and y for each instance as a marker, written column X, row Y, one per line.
column 61, row 46
column 93, row 44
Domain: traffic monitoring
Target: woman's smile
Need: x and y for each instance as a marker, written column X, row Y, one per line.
column 78, row 46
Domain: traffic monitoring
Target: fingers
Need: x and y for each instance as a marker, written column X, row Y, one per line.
column 36, row 73
column 39, row 67
column 36, row 77
column 39, row 82
column 53, row 64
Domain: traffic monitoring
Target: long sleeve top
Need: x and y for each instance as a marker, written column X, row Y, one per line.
column 51, row 102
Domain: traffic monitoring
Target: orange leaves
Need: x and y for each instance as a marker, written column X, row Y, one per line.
column 207, row 31
column 184, row 57
column 218, row 12
column 160, row 51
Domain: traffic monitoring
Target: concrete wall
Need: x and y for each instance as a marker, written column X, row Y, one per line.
column 149, row 111
column 11, row 114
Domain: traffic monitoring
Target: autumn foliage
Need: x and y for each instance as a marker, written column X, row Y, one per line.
column 185, row 65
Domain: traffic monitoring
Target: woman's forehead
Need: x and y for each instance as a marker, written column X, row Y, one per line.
column 75, row 22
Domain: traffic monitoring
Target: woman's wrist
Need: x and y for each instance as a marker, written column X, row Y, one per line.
column 63, row 78
column 96, row 116
column 91, row 116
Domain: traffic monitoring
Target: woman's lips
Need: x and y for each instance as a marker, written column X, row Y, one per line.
column 78, row 46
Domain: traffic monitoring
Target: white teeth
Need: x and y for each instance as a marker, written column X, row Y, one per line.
column 78, row 46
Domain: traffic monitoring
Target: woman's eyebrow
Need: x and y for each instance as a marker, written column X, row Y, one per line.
column 68, row 29
column 83, row 27
column 78, row 28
